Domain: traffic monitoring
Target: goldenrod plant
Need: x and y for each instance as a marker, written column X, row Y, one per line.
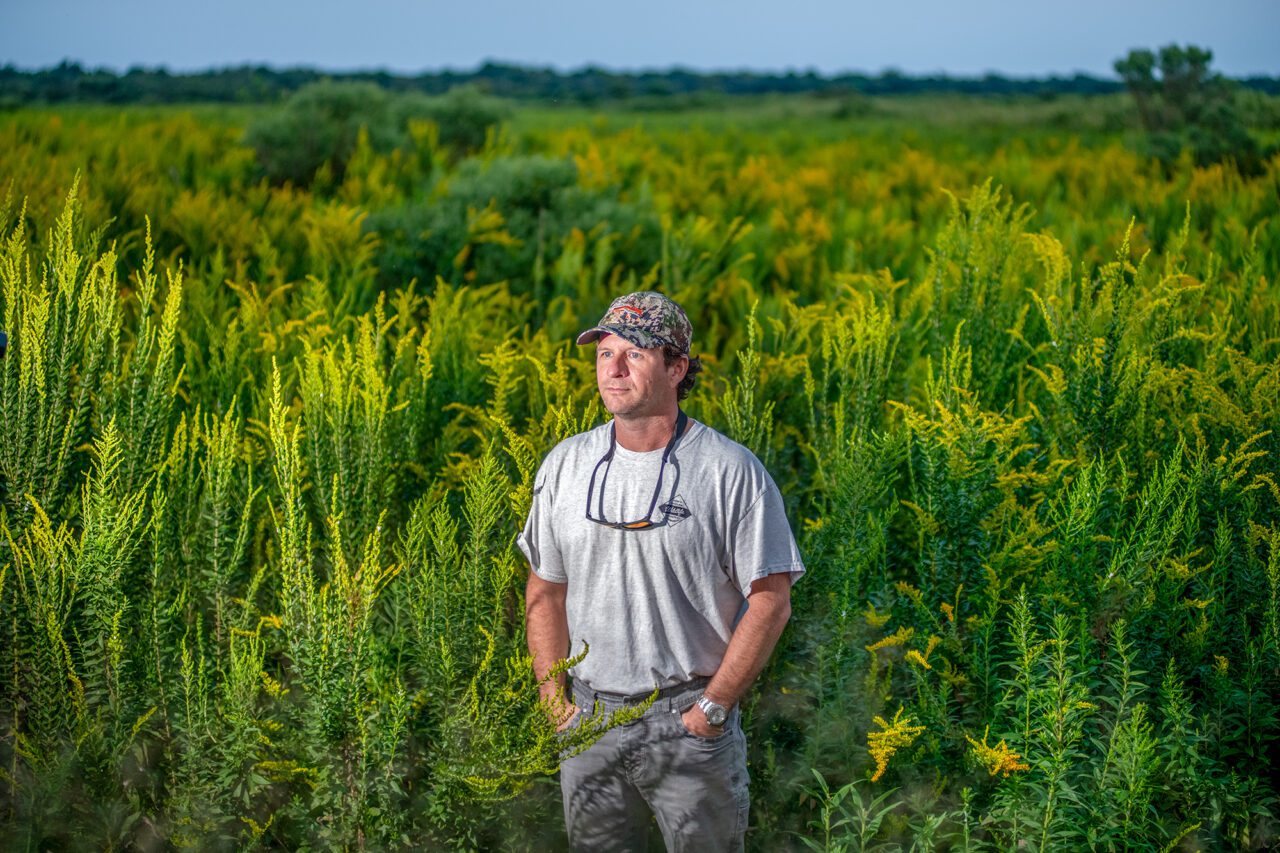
column 264, row 451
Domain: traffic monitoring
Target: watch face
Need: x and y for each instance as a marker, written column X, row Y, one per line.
column 715, row 714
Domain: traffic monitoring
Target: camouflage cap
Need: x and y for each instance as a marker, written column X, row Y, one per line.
column 646, row 319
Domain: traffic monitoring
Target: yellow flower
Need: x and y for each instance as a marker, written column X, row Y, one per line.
column 949, row 611
column 998, row 758
column 895, row 639
column 923, row 659
column 1221, row 664
column 909, row 591
column 892, row 737
column 874, row 619
column 917, row 658
column 813, row 227
column 273, row 687
column 257, row 829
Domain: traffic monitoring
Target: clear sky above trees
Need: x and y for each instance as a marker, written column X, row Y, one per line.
column 827, row 35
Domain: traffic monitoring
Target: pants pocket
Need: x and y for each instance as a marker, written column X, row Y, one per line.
column 731, row 725
column 743, row 800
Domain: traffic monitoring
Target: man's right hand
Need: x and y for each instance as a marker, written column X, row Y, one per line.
column 568, row 720
column 560, row 711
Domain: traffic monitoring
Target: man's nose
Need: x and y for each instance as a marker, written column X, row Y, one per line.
column 617, row 367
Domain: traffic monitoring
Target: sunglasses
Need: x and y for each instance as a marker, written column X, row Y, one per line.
column 647, row 522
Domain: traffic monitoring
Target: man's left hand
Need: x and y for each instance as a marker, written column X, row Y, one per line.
column 695, row 722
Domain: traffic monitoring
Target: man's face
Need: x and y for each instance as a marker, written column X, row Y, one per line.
column 636, row 382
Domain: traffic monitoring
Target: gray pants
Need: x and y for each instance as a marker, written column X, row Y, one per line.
column 695, row 787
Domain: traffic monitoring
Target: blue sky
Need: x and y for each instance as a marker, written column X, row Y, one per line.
column 915, row 36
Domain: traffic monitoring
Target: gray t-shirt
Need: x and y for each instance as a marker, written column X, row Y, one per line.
column 656, row 606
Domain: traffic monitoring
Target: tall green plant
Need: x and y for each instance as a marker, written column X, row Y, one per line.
column 64, row 325
column 79, row 693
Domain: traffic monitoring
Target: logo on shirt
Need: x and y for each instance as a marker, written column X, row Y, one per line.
column 676, row 511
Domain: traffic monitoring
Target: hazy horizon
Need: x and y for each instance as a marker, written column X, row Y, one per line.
column 531, row 66
column 418, row 36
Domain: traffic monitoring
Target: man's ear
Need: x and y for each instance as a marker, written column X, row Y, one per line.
column 679, row 370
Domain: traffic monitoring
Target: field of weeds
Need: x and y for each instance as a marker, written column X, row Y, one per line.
column 265, row 446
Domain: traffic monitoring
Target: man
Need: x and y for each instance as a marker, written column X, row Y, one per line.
column 662, row 546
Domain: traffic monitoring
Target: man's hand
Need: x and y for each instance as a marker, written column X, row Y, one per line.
column 574, row 711
column 560, row 711
column 695, row 723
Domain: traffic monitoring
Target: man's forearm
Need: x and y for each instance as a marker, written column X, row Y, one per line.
column 753, row 640
column 548, row 647
column 548, row 633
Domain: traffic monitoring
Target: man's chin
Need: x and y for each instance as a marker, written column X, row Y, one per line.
column 623, row 408
column 620, row 411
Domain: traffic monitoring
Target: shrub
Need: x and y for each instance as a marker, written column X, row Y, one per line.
column 320, row 125
column 503, row 221
column 464, row 116
column 1188, row 108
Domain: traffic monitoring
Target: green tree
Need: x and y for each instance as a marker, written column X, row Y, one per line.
column 1183, row 105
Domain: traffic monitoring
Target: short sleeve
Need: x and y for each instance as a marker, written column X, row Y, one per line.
column 537, row 540
column 761, row 543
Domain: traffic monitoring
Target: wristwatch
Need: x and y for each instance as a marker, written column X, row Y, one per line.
column 716, row 714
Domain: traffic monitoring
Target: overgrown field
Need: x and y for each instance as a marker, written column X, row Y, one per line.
column 264, row 450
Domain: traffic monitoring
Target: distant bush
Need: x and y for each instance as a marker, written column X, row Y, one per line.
column 1258, row 110
column 320, row 126
column 498, row 219
column 464, row 115
column 677, row 102
column 855, row 105
column 1183, row 106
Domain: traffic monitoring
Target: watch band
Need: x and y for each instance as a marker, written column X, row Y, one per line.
column 716, row 714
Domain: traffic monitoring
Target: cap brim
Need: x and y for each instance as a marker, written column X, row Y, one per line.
column 597, row 332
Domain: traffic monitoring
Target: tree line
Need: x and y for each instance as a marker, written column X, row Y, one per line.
column 73, row 82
